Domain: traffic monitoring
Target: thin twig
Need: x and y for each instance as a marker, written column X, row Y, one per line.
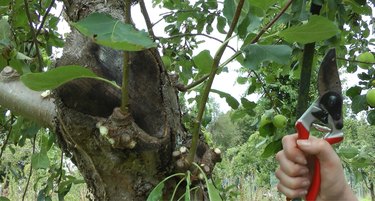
column 191, row 85
column 60, row 168
column 169, row 14
column 199, row 34
column 355, row 61
column 147, row 18
column 7, row 137
column 204, row 96
column 30, row 172
column 257, row 37
column 272, row 22
column 261, row 81
column 38, row 69
column 42, row 23
column 264, row 29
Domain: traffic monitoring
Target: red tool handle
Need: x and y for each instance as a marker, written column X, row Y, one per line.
column 303, row 133
column 312, row 194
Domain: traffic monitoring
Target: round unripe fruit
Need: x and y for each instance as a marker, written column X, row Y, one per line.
column 367, row 57
column 370, row 97
column 264, row 120
column 279, row 121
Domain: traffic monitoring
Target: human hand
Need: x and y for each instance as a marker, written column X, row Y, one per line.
column 296, row 169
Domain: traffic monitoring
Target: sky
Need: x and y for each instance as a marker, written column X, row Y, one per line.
column 225, row 81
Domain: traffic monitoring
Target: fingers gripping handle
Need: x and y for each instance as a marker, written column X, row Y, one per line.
column 315, row 184
column 303, row 133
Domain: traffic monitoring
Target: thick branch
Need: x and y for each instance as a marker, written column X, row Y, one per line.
column 204, row 96
column 306, row 66
column 30, row 104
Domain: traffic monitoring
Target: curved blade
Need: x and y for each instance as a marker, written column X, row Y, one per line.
column 328, row 79
column 330, row 92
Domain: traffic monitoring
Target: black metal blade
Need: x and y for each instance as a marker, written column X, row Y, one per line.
column 329, row 87
column 328, row 79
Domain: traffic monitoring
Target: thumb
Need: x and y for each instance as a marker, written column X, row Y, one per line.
column 318, row 147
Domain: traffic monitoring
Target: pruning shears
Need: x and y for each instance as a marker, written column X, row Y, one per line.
column 327, row 110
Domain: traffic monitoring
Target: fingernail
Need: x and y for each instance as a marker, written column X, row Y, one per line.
column 306, row 183
column 303, row 142
column 301, row 160
column 303, row 193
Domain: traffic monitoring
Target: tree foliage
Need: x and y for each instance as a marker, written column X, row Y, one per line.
column 271, row 38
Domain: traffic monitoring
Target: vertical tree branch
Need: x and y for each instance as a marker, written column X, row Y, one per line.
column 125, row 75
column 306, row 67
column 204, row 95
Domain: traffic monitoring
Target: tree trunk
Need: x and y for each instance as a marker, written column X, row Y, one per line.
column 134, row 152
column 122, row 156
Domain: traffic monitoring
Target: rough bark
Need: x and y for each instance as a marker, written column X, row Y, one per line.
column 135, row 152
column 122, row 156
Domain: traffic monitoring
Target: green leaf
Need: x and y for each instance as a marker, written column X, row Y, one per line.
column 4, row 29
column 213, row 193
column 359, row 8
column 248, row 104
column 264, row 4
column 237, row 114
column 361, row 162
column 359, row 103
column 156, row 193
column 256, row 54
column 40, row 160
column 348, row 152
column 221, row 22
column 318, row 28
column 354, row 91
column 2, row 198
column 204, row 62
column 229, row 9
column 272, row 148
column 113, row 33
column 58, row 76
column 232, row 102
column 267, row 129
column 371, row 117
column 21, row 56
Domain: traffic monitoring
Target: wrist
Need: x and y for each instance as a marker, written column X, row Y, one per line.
column 346, row 194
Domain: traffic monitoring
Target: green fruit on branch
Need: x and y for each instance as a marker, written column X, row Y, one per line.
column 280, row 121
column 367, row 58
column 264, row 120
column 370, row 97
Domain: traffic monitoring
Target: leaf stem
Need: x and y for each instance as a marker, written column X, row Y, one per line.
column 126, row 66
column 31, row 170
column 204, row 95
